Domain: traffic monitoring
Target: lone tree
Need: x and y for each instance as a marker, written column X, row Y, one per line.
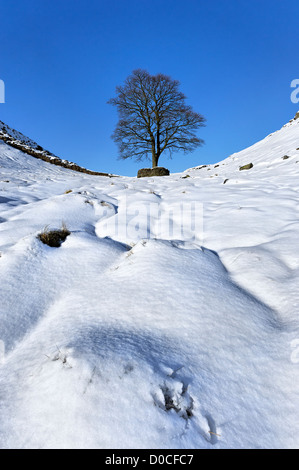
column 153, row 118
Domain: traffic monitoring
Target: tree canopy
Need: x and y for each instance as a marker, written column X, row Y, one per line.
column 154, row 118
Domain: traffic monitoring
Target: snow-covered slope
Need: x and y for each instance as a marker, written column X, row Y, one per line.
column 169, row 316
column 17, row 140
column 273, row 156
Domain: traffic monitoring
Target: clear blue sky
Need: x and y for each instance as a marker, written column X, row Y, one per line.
column 61, row 61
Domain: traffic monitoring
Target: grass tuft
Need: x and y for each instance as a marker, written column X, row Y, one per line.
column 54, row 238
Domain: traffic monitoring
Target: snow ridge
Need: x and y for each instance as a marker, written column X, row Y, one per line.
column 19, row 141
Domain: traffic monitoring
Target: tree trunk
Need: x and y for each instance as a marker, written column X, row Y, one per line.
column 155, row 159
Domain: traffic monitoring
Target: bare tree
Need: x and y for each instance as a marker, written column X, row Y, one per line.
column 153, row 118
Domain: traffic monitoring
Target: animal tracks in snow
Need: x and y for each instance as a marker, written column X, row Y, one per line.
column 173, row 396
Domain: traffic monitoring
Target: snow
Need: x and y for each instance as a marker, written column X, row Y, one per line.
column 167, row 319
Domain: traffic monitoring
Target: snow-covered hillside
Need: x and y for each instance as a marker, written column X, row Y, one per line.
column 169, row 316
column 17, row 140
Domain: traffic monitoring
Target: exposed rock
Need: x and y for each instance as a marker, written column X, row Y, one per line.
column 246, row 167
column 156, row 171
column 285, row 157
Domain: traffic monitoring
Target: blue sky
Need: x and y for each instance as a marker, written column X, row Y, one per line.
column 61, row 61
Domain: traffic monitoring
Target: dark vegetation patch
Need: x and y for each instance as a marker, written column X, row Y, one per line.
column 54, row 238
